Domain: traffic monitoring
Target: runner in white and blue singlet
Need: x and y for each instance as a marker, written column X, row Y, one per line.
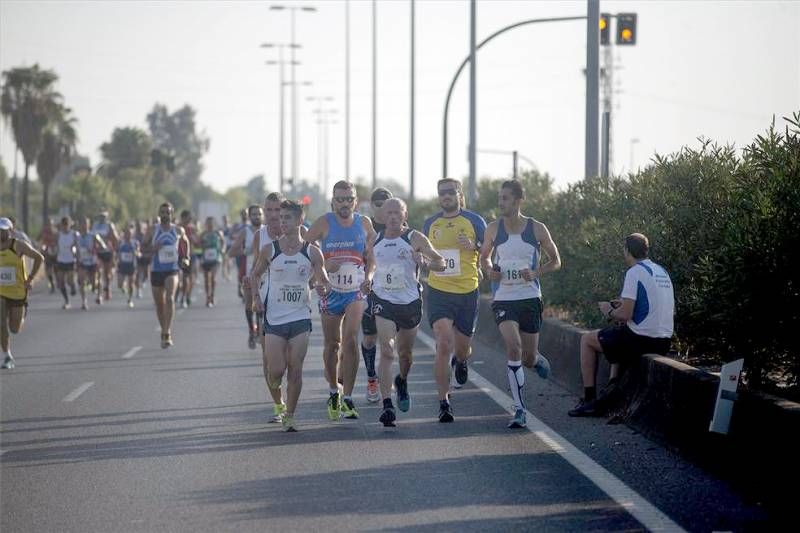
column 346, row 238
column 516, row 241
column 128, row 252
column 397, row 300
column 108, row 233
column 162, row 241
column 287, row 324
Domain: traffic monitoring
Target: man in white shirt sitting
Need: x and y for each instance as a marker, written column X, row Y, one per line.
column 643, row 319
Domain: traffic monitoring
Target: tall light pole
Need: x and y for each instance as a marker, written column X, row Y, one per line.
column 592, row 88
column 294, row 85
column 292, row 10
column 374, row 94
column 346, row 90
column 282, row 126
column 413, row 109
column 634, row 140
column 322, row 138
column 473, row 186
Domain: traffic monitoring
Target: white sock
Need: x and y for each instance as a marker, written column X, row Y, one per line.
column 516, row 381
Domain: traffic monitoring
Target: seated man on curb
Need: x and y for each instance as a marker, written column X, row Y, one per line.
column 645, row 321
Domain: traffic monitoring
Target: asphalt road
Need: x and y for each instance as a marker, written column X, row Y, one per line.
column 102, row 430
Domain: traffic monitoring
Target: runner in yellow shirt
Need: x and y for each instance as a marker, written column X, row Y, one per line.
column 457, row 234
column 14, row 286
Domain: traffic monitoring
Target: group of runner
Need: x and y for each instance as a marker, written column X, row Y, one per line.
column 366, row 272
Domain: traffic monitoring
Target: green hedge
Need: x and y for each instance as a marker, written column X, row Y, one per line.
column 723, row 222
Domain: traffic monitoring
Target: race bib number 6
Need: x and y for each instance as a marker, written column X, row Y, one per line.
column 392, row 278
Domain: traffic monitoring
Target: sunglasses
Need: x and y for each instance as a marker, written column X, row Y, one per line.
column 344, row 199
column 448, row 192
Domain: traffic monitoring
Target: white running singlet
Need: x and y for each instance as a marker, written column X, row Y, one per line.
column 287, row 291
column 516, row 252
column 396, row 271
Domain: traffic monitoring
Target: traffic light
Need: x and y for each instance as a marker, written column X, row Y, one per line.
column 605, row 28
column 626, row 28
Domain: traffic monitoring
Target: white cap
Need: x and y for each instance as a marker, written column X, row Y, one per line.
column 5, row 224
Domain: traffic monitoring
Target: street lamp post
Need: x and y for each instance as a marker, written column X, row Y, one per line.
column 464, row 64
column 322, row 137
column 281, row 127
column 473, row 186
column 346, row 90
column 374, row 94
column 292, row 10
column 413, row 108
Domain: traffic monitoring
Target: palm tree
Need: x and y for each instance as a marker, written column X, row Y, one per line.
column 58, row 147
column 28, row 102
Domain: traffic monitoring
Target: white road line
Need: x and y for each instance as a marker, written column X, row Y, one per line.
column 627, row 498
column 72, row 396
column 130, row 353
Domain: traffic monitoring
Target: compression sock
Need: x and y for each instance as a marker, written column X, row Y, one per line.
column 516, row 381
column 369, row 359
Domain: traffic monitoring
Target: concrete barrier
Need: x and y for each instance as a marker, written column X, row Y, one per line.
column 672, row 403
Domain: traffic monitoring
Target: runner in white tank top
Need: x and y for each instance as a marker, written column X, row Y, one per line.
column 65, row 259
column 287, row 326
column 517, row 241
column 396, row 300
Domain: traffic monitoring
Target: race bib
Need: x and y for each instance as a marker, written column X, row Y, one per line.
column 168, row 254
column 126, row 257
column 292, row 295
column 348, row 278
column 8, row 276
column 452, row 262
column 392, row 278
column 210, row 255
column 512, row 271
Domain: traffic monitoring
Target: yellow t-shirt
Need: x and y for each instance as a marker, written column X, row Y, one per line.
column 461, row 266
column 12, row 274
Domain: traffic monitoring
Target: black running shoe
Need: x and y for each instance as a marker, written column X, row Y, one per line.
column 461, row 371
column 388, row 416
column 445, row 412
column 586, row 408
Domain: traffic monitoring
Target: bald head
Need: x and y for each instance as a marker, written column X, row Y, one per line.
column 395, row 213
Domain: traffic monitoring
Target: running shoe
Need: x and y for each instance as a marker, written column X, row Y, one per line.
column 98, row 300
column 349, row 410
column 401, row 388
column 372, row 390
column 586, row 408
column 84, row 307
column 65, row 306
column 333, row 406
column 251, row 341
column 460, row 371
column 542, row 366
column 388, row 417
column 278, row 410
column 288, row 424
column 445, row 411
column 130, row 304
column 139, row 293
column 188, row 301
column 8, row 363
column 519, row 420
